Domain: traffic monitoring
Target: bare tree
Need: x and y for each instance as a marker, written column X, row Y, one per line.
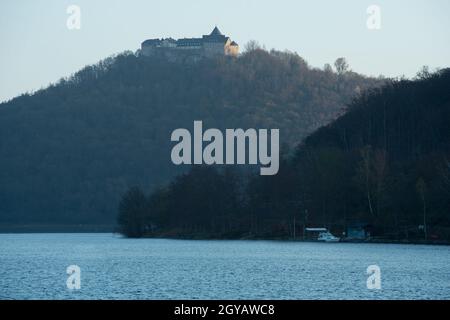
column 380, row 168
column 424, row 73
column 341, row 65
column 365, row 176
column 444, row 171
column 421, row 188
column 252, row 45
column 327, row 68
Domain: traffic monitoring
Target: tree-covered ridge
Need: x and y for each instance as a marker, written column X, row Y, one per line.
column 385, row 162
column 69, row 151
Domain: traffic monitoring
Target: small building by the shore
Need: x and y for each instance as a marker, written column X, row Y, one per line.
column 358, row 231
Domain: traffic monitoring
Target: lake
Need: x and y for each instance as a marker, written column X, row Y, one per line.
column 33, row 266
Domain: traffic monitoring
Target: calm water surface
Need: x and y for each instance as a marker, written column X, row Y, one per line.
column 33, row 266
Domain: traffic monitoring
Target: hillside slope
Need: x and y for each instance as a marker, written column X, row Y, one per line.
column 385, row 162
column 69, row 151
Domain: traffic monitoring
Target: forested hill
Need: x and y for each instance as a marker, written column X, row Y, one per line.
column 69, row 151
column 385, row 162
column 384, row 166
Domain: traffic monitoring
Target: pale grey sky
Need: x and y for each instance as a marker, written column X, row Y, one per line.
column 37, row 48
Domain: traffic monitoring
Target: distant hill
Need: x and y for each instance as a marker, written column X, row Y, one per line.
column 69, row 151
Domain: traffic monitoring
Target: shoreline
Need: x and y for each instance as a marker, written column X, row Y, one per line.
column 281, row 239
column 28, row 229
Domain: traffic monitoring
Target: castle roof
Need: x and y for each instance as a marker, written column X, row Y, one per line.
column 215, row 36
column 233, row 43
column 216, row 32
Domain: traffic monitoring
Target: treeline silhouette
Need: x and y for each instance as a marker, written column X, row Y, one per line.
column 71, row 150
column 384, row 163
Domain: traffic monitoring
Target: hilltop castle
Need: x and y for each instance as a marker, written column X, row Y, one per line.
column 214, row 44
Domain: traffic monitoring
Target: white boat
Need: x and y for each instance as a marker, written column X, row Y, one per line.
column 327, row 237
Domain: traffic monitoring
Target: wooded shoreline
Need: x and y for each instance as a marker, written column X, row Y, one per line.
column 17, row 229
